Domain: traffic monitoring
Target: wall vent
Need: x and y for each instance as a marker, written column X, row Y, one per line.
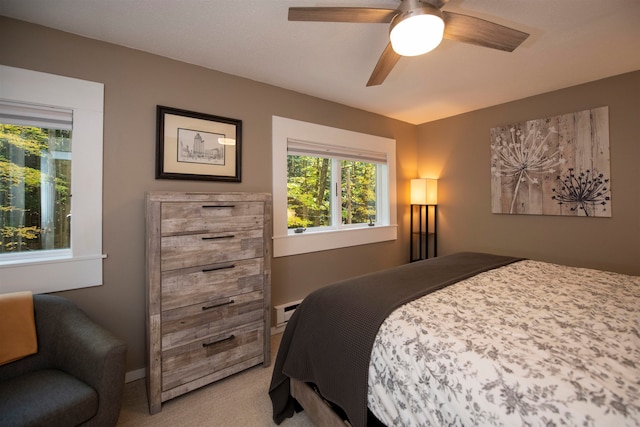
column 285, row 311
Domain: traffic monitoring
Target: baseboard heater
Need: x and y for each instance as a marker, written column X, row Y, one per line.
column 285, row 311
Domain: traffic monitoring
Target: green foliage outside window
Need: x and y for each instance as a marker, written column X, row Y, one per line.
column 358, row 192
column 35, row 182
column 309, row 191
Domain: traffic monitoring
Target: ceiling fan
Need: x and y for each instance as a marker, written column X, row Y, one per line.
column 417, row 26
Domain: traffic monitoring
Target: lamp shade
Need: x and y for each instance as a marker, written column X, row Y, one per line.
column 416, row 34
column 424, row 191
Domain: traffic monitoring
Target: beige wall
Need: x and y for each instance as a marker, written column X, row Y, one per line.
column 135, row 82
column 457, row 150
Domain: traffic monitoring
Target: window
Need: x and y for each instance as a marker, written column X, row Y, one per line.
column 332, row 188
column 35, row 183
column 50, row 182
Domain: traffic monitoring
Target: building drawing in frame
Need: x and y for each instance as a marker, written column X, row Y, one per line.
column 553, row 166
column 200, row 147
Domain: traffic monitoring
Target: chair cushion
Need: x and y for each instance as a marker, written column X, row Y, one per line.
column 46, row 398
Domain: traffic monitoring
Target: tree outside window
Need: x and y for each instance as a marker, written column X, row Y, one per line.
column 309, row 192
column 358, row 192
column 35, row 188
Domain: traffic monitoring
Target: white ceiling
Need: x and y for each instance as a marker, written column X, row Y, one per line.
column 571, row 42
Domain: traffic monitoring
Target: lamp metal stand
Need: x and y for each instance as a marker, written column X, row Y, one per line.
column 423, row 240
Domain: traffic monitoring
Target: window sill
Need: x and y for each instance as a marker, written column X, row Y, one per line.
column 300, row 243
column 43, row 275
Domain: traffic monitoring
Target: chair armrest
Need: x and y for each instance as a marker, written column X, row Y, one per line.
column 92, row 354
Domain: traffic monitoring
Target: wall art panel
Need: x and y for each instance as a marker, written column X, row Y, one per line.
column 553, row 166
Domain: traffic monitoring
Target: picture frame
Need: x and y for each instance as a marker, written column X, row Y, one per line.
column 197, row 146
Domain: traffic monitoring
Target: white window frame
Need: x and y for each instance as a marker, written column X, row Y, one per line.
column 287, row 243
column 81, row 266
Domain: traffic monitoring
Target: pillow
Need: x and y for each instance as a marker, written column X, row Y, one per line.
column 17, row 327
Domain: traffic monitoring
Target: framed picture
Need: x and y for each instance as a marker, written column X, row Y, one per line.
column 197, row 146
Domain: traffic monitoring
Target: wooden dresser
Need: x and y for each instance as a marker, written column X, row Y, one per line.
column 208, row 288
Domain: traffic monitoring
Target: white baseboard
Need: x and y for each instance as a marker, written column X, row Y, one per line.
column 275, row 330
column 134, row 375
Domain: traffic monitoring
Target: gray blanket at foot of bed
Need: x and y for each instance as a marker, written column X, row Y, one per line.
column 329, row 338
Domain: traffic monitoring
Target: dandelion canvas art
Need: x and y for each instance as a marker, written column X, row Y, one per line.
column 553, row 166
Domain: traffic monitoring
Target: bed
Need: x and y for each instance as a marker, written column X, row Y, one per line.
column 465, row 339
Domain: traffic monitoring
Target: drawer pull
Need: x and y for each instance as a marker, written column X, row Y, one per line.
column 218, row 268
column 230, row 337
column 231, row 236
column 209, row 307
column 216, row 206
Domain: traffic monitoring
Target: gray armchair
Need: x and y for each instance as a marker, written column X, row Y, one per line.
column 76, row 378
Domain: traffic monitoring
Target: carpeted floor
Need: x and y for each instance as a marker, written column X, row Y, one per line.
column 241, row 400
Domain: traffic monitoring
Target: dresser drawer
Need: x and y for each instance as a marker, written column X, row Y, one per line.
column 187, row 363
column 202, row 217
column 210, row 282
column 198, row 321
column 208, row 248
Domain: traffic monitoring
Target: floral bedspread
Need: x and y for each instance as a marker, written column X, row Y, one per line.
column 531, row 343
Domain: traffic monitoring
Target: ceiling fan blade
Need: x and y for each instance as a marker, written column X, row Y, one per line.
column 469, row 29
column 342, row 14
column 387, row 61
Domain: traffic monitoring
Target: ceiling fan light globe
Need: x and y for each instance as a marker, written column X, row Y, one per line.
column 416, row 35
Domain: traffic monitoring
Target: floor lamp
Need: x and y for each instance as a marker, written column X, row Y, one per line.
column 424, row 219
